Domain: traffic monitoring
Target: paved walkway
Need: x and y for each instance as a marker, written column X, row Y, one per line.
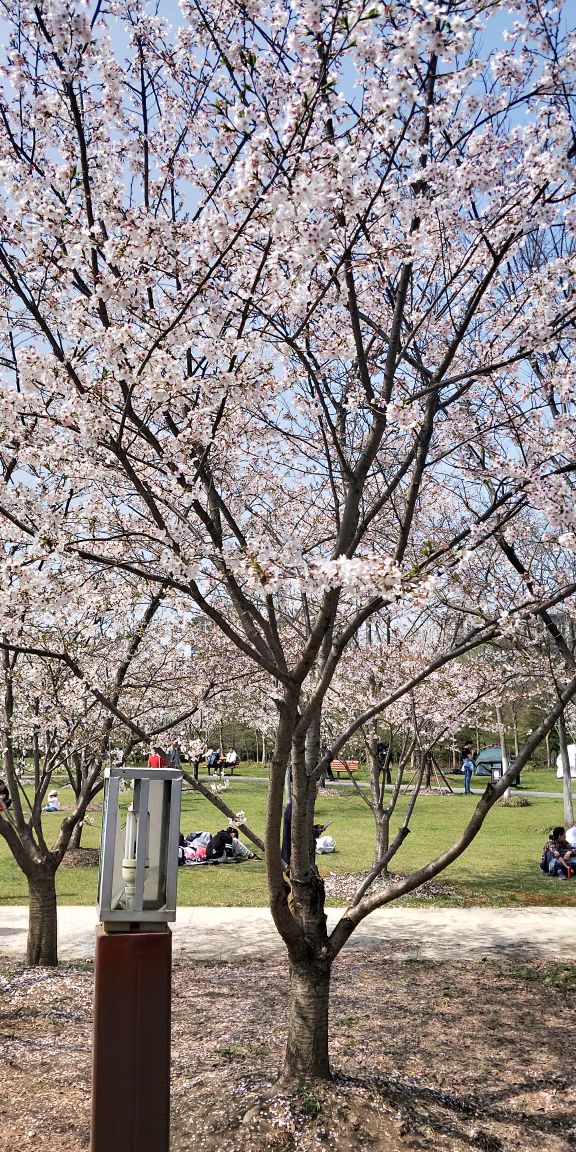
column 220, row 934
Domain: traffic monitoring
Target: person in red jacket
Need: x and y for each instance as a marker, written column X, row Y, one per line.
column 157, row 757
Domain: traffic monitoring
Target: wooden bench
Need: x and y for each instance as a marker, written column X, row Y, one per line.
column 339, row 766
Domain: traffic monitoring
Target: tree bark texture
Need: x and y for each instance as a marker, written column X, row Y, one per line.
column 428, row 771
column 76, row 836
column 306, row 1055
column 42, row 947
column 381, row 818
column 500, row 724
column 382, row 835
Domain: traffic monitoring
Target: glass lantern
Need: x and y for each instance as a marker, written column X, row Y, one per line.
column 139, row 847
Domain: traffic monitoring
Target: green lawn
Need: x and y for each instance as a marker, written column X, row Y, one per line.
column 540, row 780
column 531, row 780
column 500, row 867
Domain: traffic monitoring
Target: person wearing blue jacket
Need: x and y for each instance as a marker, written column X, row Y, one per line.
column 468, row 766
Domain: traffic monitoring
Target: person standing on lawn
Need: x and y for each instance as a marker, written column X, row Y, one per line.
column 157, row 757
column 382, row 750
column 468, row 766
column 468, row 750
column 175, row 754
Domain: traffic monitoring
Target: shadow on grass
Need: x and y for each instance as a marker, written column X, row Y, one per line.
column 526, row 889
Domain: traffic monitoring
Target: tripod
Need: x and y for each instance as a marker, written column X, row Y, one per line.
column 431, row 769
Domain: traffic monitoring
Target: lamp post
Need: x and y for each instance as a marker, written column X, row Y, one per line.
column 136, row 902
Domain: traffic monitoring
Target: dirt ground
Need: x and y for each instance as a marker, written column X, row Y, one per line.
column 425, row 1056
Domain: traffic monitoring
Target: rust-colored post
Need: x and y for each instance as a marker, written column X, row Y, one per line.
column 131, row 1057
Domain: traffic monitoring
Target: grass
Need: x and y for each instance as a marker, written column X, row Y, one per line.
column 499, row 868
column 540, row 780
column 531, row 780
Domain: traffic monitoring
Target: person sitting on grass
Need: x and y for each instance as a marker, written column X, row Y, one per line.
column 571, row 835
column 53, row 804
column 558, row 856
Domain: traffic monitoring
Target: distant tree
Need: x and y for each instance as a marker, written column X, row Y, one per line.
column 76, row 684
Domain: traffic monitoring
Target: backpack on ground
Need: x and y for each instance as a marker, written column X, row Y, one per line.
column 325, row 844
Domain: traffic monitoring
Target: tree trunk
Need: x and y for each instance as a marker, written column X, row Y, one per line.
column 427, row 772
column 382, row 835
column 76, row 836
column 306, row 1056
column 42, row 948
column 515, row 732
column 381, row 816
column 312, row 747
column 566, row 778
column 502, row 743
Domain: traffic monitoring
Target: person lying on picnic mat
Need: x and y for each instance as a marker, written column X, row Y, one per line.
column 558, row 856
column 224, row 845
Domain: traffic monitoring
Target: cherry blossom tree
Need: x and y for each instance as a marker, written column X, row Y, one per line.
column 286, row 290
column 463, row 692
column 108, row 673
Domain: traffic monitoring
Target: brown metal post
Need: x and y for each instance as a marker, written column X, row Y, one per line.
column 131, row 1056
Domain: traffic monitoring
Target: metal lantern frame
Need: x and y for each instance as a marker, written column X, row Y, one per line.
column 145, row 782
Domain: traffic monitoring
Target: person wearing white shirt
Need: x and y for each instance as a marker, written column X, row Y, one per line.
column 232, row 759
column 53, row 804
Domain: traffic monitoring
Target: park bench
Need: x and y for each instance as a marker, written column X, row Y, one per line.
column 344, row 766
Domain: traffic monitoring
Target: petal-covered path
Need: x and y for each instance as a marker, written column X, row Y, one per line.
column 229, row 933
